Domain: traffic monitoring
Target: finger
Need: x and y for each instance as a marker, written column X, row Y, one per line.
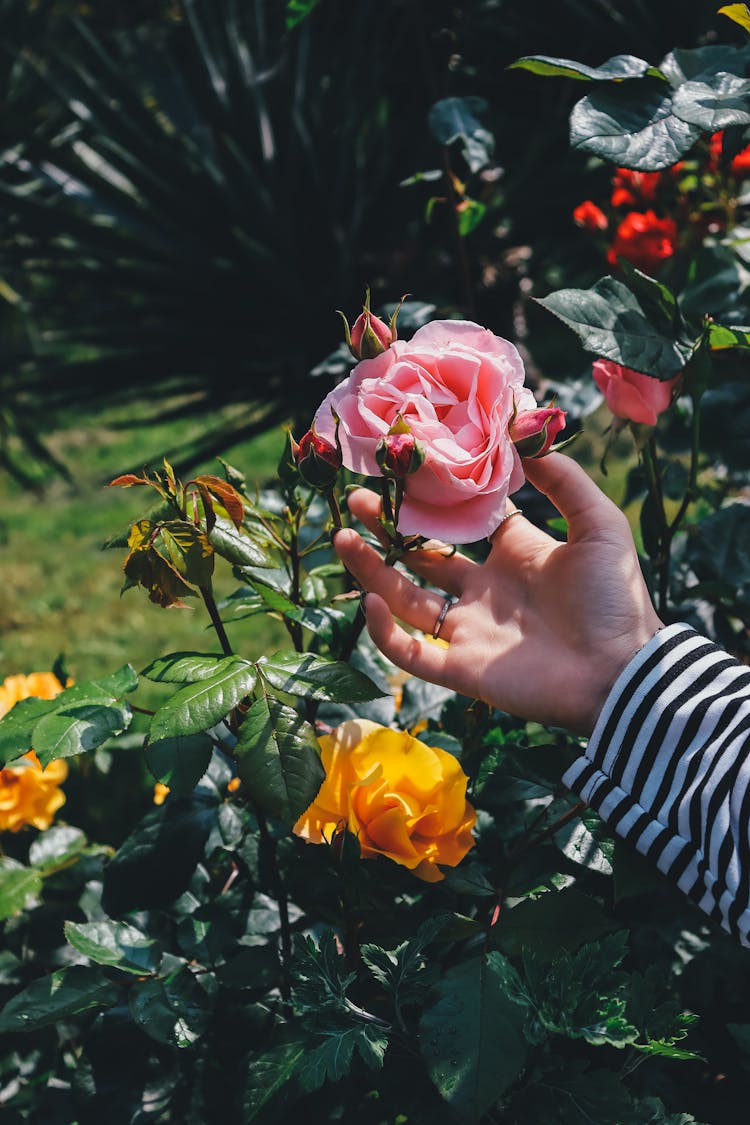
column 418, row 657
column 575, row 495
column 441, row 566
column 407, row 601
column 514, row 538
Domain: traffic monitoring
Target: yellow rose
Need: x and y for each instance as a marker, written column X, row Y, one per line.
column 401, row 798
column 28, row 793
column 42, row 685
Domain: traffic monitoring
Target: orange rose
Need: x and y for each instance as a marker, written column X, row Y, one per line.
column 401, row 798
column 28, row 793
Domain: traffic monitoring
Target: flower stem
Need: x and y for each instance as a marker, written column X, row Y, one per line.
column 213, row 612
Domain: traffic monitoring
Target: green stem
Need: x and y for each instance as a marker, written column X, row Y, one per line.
column 695, row 444
column 661, row 562
column 213, row 612
column 334, row 509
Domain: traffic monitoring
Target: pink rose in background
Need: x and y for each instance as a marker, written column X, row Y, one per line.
column 454, row 384
column 632, row 395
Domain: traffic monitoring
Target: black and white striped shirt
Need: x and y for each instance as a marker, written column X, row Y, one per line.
column 668, row 768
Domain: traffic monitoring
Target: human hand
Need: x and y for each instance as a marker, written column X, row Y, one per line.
column 541, row 629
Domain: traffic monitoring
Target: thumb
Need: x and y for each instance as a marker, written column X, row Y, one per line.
column 575, row 495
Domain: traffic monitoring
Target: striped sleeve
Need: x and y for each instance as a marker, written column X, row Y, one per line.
column 668, row 768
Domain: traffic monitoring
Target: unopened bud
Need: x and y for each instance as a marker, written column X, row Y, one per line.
column 398, row 455
column 533, row 432
column 318, row 460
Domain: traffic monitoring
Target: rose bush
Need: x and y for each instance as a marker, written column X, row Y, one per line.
column 631, row 395
column 644, row 239
column 456, row 386
column 402, row 798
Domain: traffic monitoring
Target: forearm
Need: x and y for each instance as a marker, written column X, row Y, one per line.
column 668, row 768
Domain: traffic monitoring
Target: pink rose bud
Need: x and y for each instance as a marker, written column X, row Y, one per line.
column 318, row 460
column 533, row 432
column 398, row 455
column 632, row 395
column 370, row 336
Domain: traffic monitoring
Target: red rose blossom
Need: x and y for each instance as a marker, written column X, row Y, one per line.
column 644, row 239
column 629, row 188
column 589, row 216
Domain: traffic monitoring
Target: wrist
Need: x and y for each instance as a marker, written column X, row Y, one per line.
column 619, row 656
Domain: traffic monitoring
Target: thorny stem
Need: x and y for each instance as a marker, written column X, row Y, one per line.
column 213, row 612
column 695, row 444
column 293, row 627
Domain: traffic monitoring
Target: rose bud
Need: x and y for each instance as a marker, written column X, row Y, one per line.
column 318, row 460
column 533, row 432
column 369, row 335
column 632, row 395
column 398, row 455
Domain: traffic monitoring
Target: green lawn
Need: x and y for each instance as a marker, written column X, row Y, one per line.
column 60, row 593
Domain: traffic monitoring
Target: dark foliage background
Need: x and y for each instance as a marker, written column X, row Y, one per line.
column 190, row 190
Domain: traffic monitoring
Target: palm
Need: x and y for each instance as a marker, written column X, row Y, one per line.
column 542, row 628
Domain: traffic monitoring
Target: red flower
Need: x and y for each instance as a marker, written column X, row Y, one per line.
column 589, row 216
column 630, row 188
column 740, row 164
column 644, row 239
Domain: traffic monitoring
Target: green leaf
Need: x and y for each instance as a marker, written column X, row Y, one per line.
column 470, row 1038
column 610, row 322
column 316, row 677
column 616, row 69
column 56, row 847
column 268, row 1075
column 187, row 667
column 17, row 885
column 657, row 300
column 332, row 1058
column 739, row 240
column 238, row 547
column 403, row 971
column 576, row 841
column 278, row 759
column 116, row 944
column 554, row 921
column 722, row 336
column 718, row 548
column 470, row 213
column 459, row 119
column 156, row 862
column 174, row 1010
column 78, row 719
column 717, row 104
column 74, row 730
column 64, row 993
column 201, row 705
column 685, row 64
column 632, row 126
column 180, row 762
column 297, row 10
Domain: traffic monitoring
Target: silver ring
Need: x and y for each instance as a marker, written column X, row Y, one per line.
column 509, row 516
column 447, row 603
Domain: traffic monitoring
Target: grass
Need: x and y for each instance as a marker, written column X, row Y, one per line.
column 60, row 593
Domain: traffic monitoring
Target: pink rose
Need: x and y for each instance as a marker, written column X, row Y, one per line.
column 533, row 432
column 455, row 385
column 631, row 395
